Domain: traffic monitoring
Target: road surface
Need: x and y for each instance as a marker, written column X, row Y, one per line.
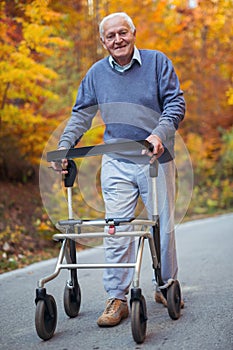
column 205, row 251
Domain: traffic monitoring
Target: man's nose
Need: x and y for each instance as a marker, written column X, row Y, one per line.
column 118, row 38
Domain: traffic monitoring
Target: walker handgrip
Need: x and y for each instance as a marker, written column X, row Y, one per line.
column 149, row 145
column 72, row 172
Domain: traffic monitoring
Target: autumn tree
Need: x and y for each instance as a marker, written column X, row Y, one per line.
column 28, row 38
column 207, row 66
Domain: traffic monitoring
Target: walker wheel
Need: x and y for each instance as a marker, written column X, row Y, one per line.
column 174, row 300
column 138, row 320
column 72, row 300
column 44, row 321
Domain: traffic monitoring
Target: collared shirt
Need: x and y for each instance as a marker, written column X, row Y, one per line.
column 136, row 57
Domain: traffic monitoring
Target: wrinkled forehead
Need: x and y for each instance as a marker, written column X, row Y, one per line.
column 115, row 24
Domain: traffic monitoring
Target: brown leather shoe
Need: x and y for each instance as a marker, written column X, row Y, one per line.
column 159, row 298
column 115, row 311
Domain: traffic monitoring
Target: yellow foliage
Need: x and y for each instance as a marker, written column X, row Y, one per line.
column 11, row 234
column 26, row 79
column 201, row 154
column 230, row 96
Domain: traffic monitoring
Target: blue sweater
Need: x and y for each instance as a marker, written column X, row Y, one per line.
column 144, row 100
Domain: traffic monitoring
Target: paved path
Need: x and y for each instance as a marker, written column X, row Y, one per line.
column 205, row 250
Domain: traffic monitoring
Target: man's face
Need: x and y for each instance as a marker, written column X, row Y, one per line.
column 119, row 40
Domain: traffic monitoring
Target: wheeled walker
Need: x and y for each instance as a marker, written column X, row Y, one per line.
column 46, row 309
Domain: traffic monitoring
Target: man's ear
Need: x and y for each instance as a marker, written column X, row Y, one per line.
column 102, row 42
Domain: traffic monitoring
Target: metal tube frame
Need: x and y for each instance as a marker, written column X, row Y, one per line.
column 56, row 272
column 69, row 200
column 70, row 225
column 68, row 265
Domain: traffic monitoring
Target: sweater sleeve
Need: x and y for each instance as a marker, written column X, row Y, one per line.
column 171, row 101
column 83, row 112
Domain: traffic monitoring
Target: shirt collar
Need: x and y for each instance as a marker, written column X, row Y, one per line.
column 136, row 57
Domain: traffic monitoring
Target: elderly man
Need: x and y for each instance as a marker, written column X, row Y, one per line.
column 139, row 97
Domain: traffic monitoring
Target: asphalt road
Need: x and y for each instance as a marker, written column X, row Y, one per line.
column 205, row 251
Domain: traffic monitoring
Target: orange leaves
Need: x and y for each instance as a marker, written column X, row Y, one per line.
column 39, row 11
column 28, row 39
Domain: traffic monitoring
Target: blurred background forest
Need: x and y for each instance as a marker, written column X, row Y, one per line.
column 46, row 48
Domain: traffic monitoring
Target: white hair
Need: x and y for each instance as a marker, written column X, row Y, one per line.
column 112, row 15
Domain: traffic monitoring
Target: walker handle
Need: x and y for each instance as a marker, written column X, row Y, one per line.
column 89, row 151
column 69, row 178
column 155, row 165
column 149, row 145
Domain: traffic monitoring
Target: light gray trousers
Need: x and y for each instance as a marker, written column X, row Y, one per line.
column 122, row 184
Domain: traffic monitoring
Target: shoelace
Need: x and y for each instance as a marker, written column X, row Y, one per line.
column 110, row 307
